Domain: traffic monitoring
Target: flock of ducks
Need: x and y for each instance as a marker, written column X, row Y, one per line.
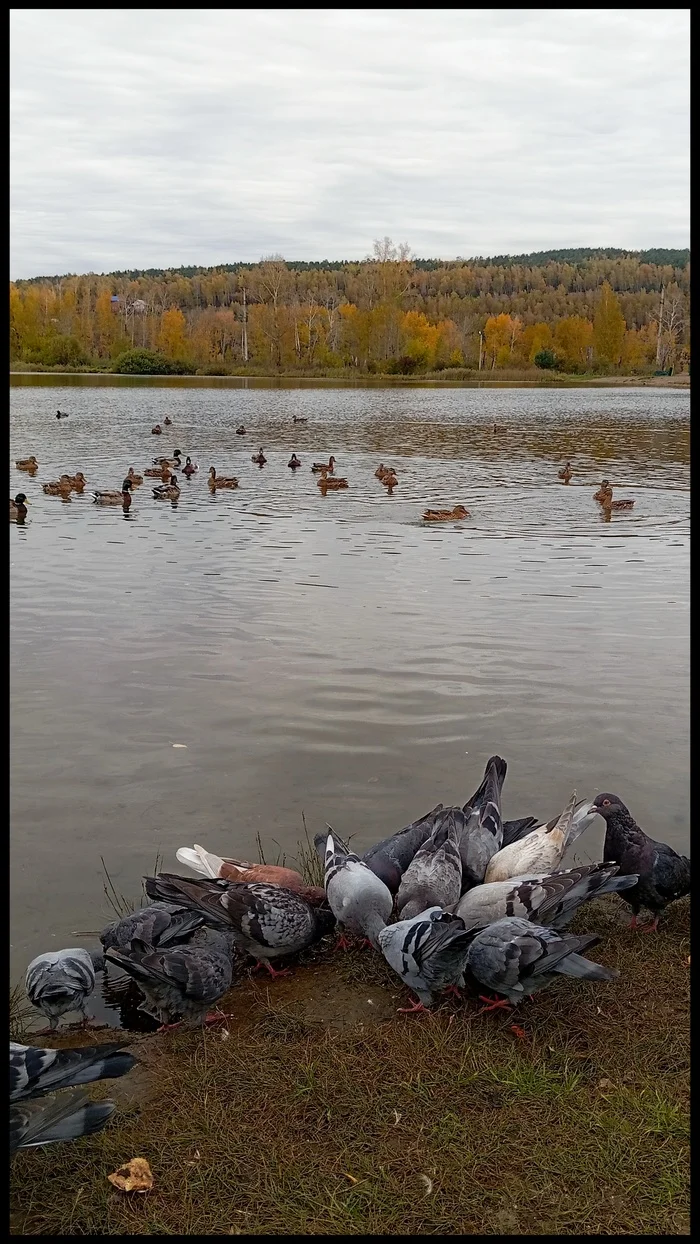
column 460, row 899
column 164, row 468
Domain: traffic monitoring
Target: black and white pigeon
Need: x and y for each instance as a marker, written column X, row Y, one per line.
column 428, row 952
column 61, row 981
column 35, row 1071
column 268, row 921
column 159, row 924
column 482, row 832
column 547, row 898
column 515, row 957
column 358, row 898
column 434, row 876
column 663, row 874
column 64, row 1116
column 179, row 981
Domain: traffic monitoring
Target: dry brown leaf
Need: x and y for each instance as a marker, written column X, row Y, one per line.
column 134, row 1176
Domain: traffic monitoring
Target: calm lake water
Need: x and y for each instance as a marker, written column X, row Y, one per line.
column 334, row 656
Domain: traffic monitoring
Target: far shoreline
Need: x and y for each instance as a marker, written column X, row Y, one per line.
column 681, row 381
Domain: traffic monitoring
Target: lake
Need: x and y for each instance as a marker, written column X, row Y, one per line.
column 208, row 672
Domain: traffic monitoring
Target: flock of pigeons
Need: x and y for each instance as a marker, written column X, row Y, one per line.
column 477, row 899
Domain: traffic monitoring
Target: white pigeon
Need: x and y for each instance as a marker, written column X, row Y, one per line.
column 542, row 850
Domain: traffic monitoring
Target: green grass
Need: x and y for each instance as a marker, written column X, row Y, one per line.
column 324, row 1112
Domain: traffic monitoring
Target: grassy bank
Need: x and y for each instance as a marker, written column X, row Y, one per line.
column 320, row 1110
column 448, row 376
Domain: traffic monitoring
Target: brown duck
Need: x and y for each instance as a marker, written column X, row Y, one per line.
column 221, row 481
column 446, row 516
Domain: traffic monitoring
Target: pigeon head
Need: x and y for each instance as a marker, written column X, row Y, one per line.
column 607, row 805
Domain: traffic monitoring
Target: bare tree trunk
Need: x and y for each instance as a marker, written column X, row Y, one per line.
column 245, row 328
column 660, row 329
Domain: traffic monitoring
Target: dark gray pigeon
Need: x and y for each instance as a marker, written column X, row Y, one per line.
column 663, row 874
column 482, row 834
column 515, row 957
column 159, row 924
column 428, row 952
column 358, row 898
column 513, row 831
column 61, row 981
column 267, row 921
column 34, row 1071
column 547, row 898
column 65, row 1116
column 179, row 981
column 434, row 876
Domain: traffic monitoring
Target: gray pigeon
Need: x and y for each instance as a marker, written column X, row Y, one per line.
column 180, row 980
column 663, row 874
column 34, row 1071
column 548, row 898
column 482, row 833
column 390, row 858
column 516, row 957
column 434, row 876
column 267, row 920
column 159, row 924
column 428, row 952
column 61, row 981
column 358, row 898
column 64, row 1116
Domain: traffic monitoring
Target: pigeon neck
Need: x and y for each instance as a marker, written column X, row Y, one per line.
column 373, row 925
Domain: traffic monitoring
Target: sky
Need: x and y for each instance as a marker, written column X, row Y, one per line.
column 147, row 138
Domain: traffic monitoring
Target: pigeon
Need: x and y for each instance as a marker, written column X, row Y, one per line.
column 180, row 980
column 159, row 924
column 513, row 831
column 542, row 850
column 428, row 952
column 61, row 981
column 434, row 876
column 663, row 874
column 516, row 957
column 267, row 920
column 548, row 898
column 65, row 1116
column 208, row 865
column 34, row 1071
column 482, row 832
column 390, row 858
column 358, row 898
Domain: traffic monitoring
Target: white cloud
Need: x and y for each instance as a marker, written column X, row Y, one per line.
column 147, row 138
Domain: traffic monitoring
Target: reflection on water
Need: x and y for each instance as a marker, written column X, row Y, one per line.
column 208, row 671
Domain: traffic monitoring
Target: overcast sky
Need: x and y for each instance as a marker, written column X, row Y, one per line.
column 153, row 138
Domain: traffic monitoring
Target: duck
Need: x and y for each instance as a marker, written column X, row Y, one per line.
column 61, row 414
column 498, row 427
column 259, row 458
column 566, row 473
column 206, row 864
column 299, row 419
column 446, row 516
column 18, row 508
column 382, row 471
column 167, row 421
column 77, row 482
column 167, row 492
column 331, row 485
column 389, row 480
column 58, row 488
column 328, row 466
column 294, row 462
column 221, row 481
column 620, row 505
column 156, row 431
column 190, row 468
column 159, row 472
column 268, row 921
column 62, row 980
column 603, row 493
column 240, row 431
column 174, row 462
column 136, row 480
column 123, row 498
column 27, row 464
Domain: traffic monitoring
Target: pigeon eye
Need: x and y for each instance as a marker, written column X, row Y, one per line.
column 606, row 803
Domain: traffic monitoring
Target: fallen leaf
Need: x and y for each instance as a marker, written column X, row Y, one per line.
column 134, row 1176
column 605, row 1084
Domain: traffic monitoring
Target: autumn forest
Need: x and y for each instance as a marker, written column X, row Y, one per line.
column 578, row 311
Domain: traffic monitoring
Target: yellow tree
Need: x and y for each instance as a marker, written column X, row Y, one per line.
column 500, row 336
column 534, row 337
column 419, row 338
column 573, row 340
column 608, row 326
column 171, row 338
